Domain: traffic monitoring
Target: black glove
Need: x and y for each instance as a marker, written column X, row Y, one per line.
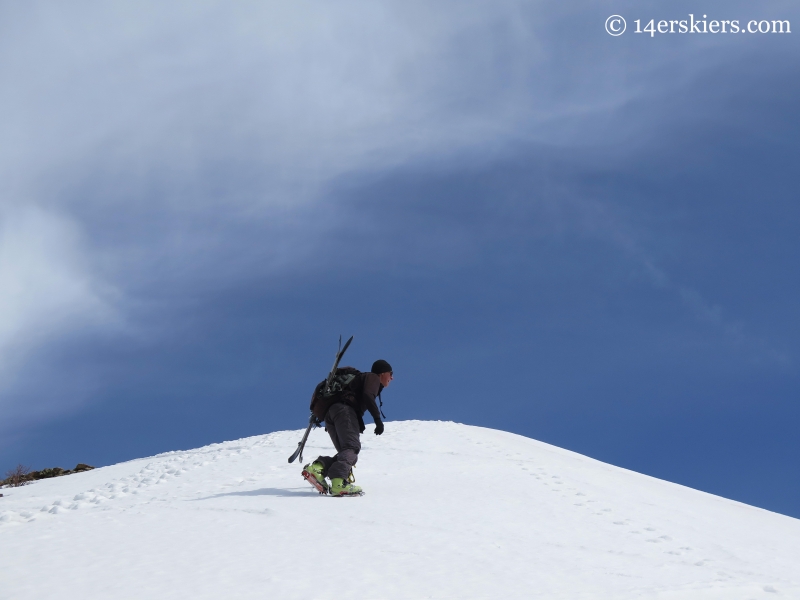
column 378, row 427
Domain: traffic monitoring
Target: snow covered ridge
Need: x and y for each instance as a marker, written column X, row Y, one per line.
column 450, row 511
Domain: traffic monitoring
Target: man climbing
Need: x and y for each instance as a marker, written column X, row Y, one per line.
column 344, row 422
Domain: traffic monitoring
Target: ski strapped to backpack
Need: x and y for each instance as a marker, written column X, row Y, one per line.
column 314, row 420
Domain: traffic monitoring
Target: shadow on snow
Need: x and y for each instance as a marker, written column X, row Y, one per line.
column 285, row 493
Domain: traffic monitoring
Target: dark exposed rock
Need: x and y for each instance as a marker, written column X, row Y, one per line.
column 47, row 473
column 17, row 477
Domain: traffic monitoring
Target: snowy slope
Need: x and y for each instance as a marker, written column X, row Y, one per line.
column 450, row 511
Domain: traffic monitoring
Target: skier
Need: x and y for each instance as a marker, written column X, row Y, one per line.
column 344, row 422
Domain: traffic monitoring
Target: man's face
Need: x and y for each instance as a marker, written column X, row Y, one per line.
column 386, row 378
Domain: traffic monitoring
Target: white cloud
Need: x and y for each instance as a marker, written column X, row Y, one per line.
column 306, row 90
column 309, row 90
column 46, row 286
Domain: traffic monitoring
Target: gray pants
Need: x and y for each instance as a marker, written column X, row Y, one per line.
column 341, row 423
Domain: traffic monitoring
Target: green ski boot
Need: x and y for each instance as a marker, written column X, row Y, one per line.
column 341, row 487
column 313, row 474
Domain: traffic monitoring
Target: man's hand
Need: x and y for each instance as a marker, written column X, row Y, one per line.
column 379, row 428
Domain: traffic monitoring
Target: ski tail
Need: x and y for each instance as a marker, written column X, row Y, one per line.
column 312, row 420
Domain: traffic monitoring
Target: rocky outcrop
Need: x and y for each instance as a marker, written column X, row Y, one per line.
column 21, row 475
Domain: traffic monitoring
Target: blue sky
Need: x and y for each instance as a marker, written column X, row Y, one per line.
column 586, row 239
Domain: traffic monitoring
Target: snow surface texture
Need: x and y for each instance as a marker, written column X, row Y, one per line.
column 450, row 511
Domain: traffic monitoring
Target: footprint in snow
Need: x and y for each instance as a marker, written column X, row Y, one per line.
column 109, row 491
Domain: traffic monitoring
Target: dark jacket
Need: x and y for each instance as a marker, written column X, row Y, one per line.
column 366, row 388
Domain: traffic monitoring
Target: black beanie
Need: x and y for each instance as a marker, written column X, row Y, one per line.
column 381, row 366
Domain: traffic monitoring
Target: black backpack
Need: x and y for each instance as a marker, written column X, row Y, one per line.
column 343, row 389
